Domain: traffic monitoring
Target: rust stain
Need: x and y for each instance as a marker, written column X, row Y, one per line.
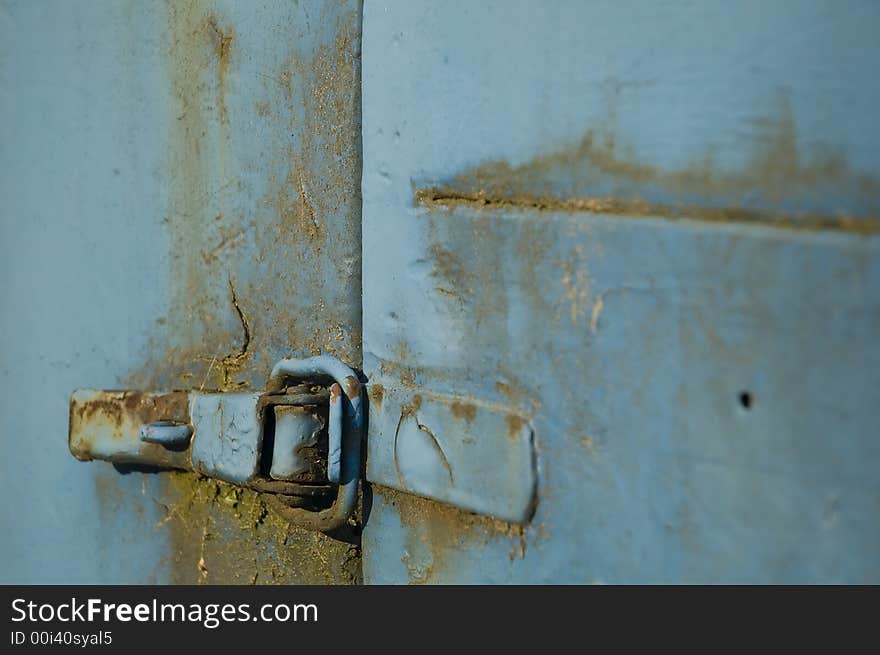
column 245, row 285
column 377, row 394
column 223, row 40
column 321, row 169
column 576, row 285
column 515, row 425
column 461, row 261
column 312, row 451
column 305, row 235
column 463, row 410
column 410, row 408
column 776, row 171
column 405, row 374
column 118, row 414
column 449, row 272
column 596, row 313
column 504, row 388
column 227, row 243
column 519, row 396
column 226, row 534
column 199, row 56
column 435, row 532
column 637, row 208
column 137, row 407
column 295, row 208
column 352, row 387
column 311, row 240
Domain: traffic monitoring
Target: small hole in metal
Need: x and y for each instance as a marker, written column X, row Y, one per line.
column 745, row 399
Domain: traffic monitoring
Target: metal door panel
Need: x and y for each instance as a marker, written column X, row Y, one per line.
column 77, row 146
column 182, row 210
column 632, row 248
column 652, row 232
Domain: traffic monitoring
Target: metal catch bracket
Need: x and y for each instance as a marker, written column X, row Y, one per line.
column 299, row 442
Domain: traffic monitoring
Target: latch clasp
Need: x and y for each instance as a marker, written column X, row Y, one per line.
column 298, row 442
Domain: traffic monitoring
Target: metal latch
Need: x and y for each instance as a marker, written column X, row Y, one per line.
column 298, row 442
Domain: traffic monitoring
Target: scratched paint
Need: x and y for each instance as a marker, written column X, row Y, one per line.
column 775, row 184
column 474, row 455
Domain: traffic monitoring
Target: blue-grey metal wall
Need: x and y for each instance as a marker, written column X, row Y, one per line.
column 651, row 230
column 629, row 247
column 181, row 209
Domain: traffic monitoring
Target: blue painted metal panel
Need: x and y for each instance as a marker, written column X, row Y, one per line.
column 228, row 434
column 763, row 105
column 81, row 293
column 181, row 210
column 652, row 232
column 474, row 455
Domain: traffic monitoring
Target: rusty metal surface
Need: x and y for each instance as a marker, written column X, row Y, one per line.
column 296, row 453
column 672, row 269
column 346, row 418
column 106, row 425
column 262, row 216
column 236, row 437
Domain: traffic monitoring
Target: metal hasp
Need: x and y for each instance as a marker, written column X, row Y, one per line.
column 468, row 452
column 298, row 442
column 344, row 435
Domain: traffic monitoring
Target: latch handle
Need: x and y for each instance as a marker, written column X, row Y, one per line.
column 325, row 366
column 343, row 433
